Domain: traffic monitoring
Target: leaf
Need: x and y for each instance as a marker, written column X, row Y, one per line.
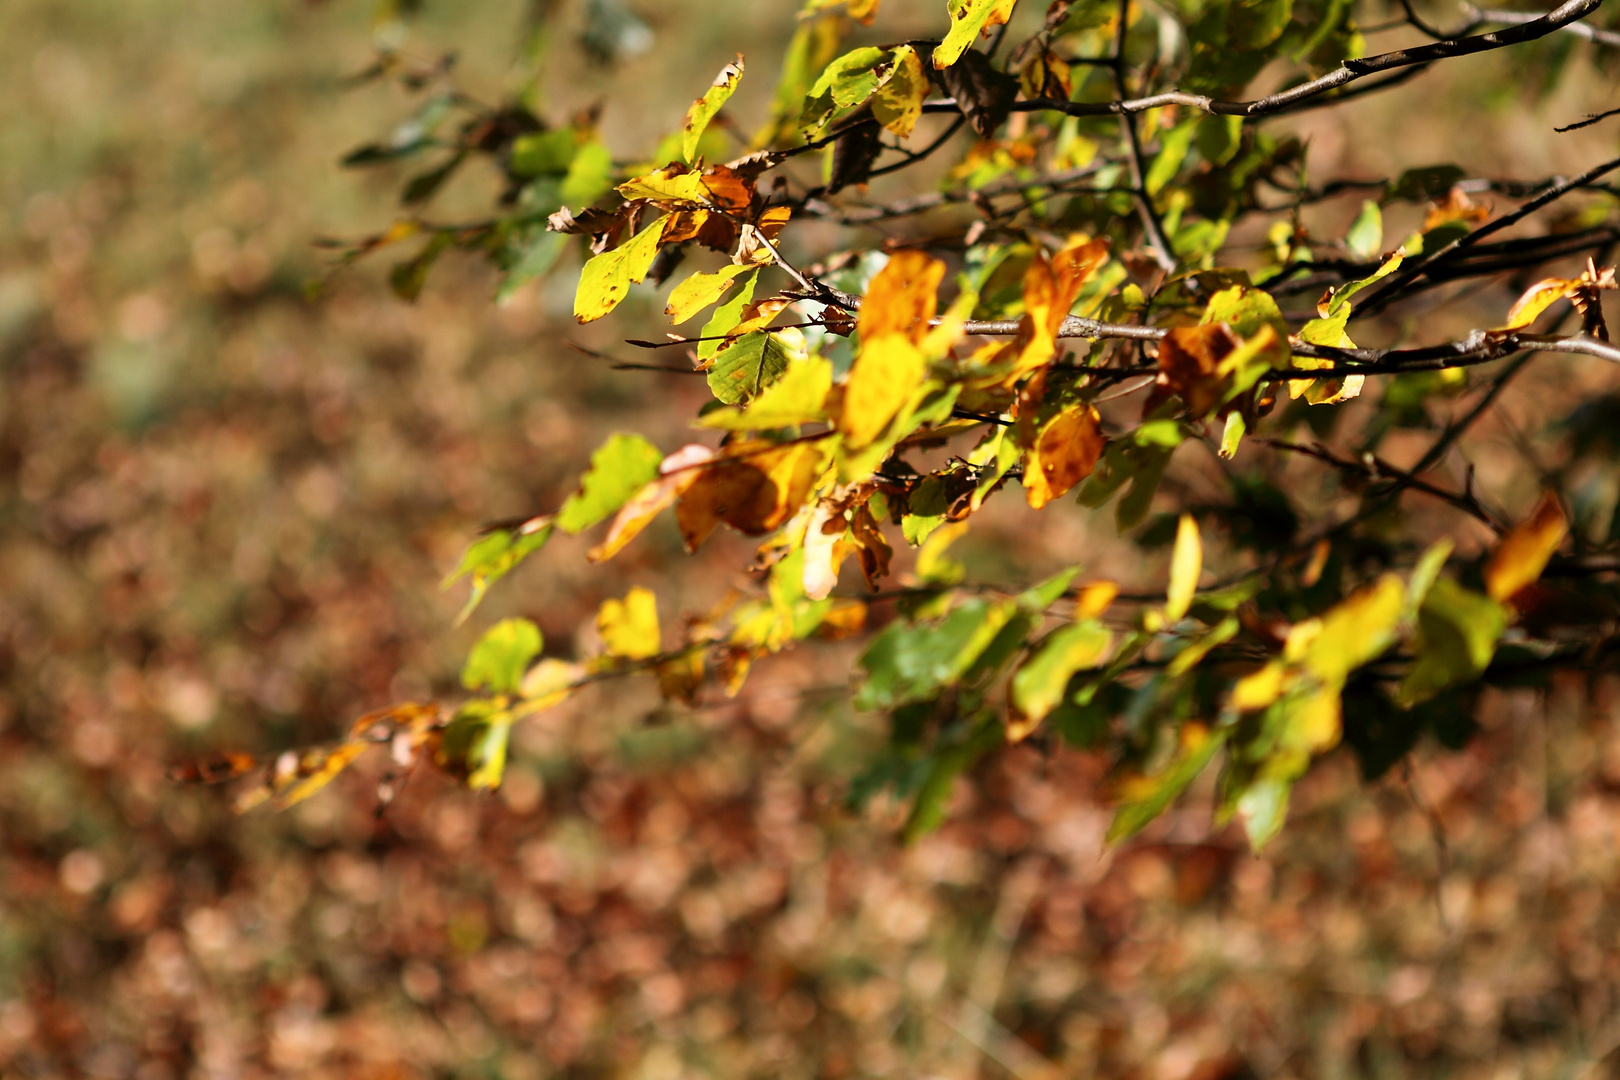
column 798, row 397
column 754, row 489
column 674, row 183
column 984, row 94
column 1358, row 629
column 1431, row 181
column 1186, row 563
column 590, row 175
column 607, row 277
column 845, row 83
column 492, row 557
column 1245, row 310
column 675, row 474
column 704, row 108
column 903, row 297
column 1366, row 236
column 1039, row 684
column 619, row 468
column 1142, row 797
column 312, row 770
column 501, row 656
column 753, row 362
column 407, row 278
column 969, row 18
column 933, row 797
column 727, row 316
column 898, row 102
column 475, row 744
column 913, row 662
column 888, row 371
column 629, row 627
column 699, row 291
column 1457, row 634
column 1524, row 552
column 813, row 46
column 1066, row 450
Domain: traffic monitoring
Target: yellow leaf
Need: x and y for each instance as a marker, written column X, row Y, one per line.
column 629, row 627
column 705, row 107
column 1256, row 691
column 1065, row 452
column 898, row 102
column 1355, row 630
column 1524, row 552
column 676, row 473
column 1186, row 562
column 887, row 372
column 1051, row 287
column 969, row 18
column 1538, row 298
column 608, row 276
column 902, row 297
column 673, row 183
column 313, row 771
column 1094, row 598
column 699, row 291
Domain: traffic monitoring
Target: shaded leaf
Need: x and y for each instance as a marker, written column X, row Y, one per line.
column 1039, row 684
column 984, row 94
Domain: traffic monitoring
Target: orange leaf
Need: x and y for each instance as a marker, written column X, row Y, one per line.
column 1065, row 452
column 902, row 297
column 1523, row 554
column 1190, row 360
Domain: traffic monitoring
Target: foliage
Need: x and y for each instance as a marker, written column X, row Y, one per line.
column 1075, row 314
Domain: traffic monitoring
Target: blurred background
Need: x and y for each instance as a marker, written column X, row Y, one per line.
column 225, row 510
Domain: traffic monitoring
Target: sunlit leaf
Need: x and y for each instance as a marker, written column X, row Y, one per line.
column 969, row 18
column 676, row 473
column 699, row 291
column 798, row 397
column 498, row 661
column 492, row 557
column 753, row 362
column 1186, row 563
column 619, row 468
column 898, row 102
column 705, row 107
column 1065, row 452
column 629, row 627
column 1143, row 797
column 1038, row 686
column 887, row 372
column 1457, row 634
column 607, row 278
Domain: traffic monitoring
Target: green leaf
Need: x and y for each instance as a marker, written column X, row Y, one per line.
column 798, row 397
column 727, row 316
column 814, row 45
column 1040, row 597
column 590, row 175
column 750, row 364
column 620, row 467
column 546, row 153
column 1039, row 685
column 1366, row 236
column 704, row 108
column 968, row 19
column 607, row 277
column 847, row 81
column 1173, row 146
column 475, row 743
column 501, row 656
column 914, row 662
column 933, row 797
column 407, row 278
column 492, row 557
column 1457, row 634
column 1245, row 310
column 1144, row 797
